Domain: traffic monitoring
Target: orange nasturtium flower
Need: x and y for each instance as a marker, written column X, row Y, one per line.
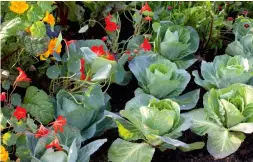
column 51, row 49
column 22, row 77
column 55, row 143
column 4, row 155
column 49, row 18
column 19, row 7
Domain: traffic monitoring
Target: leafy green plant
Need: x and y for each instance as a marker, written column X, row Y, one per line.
column 157, row 123
column 85, row 110
column 70, row 141
column 39, row 104
column 242, row 27
column 176, row 43
column 226, row 116
column 242, row 47
column 224, row 71
column 80, row 66
column 161, row 78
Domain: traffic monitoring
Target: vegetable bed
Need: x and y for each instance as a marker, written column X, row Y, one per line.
column 126, row 81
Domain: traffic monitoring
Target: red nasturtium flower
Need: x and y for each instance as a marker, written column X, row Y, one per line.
column 99, row 50
column 230, row 18
column 19, row 112
column 82, row 76
column 22, row 76
column 104, row 38
column 41, row 132
column 55, row 143
column 110, row 25
column 145, row 8
column 170, row 8
column 220, row 8
column 246, row 25
column 70, row 42
column 146, row 45
column 110, row 56
column 59, row 123
column 148, row 18
column 3, row 97
column 245, row 12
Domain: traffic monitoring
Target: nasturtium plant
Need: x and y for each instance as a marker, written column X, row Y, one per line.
column 90, row 60
column 85, row 110
column 69, row 141
column 227, row 115
column 38, row 104
column 177, row 44
column 160, row 77
column 158, row 123
column 224, row 71
column 242, row 47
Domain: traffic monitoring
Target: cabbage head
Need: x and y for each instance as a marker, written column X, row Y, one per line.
column 227, row 115
column 158, row 76
column 177, row 44
column 157, row 122
column 243, row 47
column 224, row 71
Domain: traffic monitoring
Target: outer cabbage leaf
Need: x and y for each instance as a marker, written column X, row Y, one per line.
column 224, row 71
column 243, row 47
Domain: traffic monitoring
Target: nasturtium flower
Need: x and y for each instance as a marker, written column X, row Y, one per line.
column 148, row 18
column 246, row 25
column 110, row 25
column 51, row 49
column 19, row 7
column 19, row 112
column 22, row 77
column 110, row 56
column 3, row 97
column 55, row 143
column 41, row 132
column 82, row 76
column 145, row 8
column 104, row 38
column 98, row 50
column 4, row 155
column 59, row 124
column 146, row 45
column 49, row 18
column 170, row 8
column 230, row 19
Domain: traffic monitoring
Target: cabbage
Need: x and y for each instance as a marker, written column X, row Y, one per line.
column 157, row 122
column 227, row 115
column 224, row 71
column 177, row 44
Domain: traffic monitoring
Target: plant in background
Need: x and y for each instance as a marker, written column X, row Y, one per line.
column 157, row 123
column 176, row 43
column 84, row 110
column 242, row 27
column 24, row 31
column 227, row 115
column 161, row 78
column 224, row 71
column 242, row 47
